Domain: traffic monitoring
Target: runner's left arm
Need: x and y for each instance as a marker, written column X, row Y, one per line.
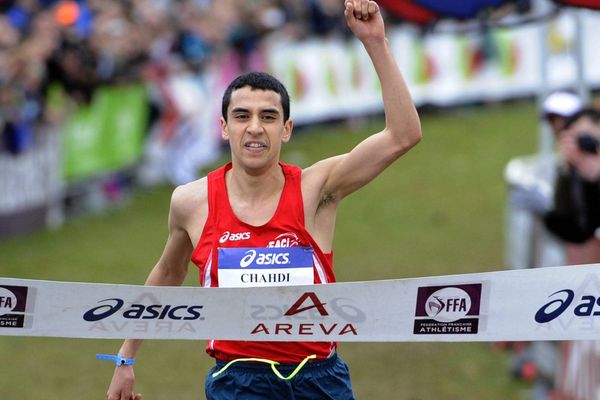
column 342, row 175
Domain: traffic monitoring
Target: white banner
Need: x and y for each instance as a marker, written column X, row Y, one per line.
column 555, row 303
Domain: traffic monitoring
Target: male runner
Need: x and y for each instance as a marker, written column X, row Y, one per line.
column 257, row 202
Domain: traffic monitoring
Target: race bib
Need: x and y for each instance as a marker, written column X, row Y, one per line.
column 258, row 266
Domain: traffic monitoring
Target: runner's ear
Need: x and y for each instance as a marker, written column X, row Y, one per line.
column 224, row 129
column 288, row 126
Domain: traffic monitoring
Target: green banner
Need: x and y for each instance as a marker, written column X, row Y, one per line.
column 105, row 135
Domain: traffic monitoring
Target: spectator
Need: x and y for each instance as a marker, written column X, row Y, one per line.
column 575, row 218
column 537, row 361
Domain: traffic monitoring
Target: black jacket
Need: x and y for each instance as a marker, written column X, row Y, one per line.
column 576, row 213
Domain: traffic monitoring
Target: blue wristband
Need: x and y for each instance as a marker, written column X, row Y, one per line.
column 118, row 359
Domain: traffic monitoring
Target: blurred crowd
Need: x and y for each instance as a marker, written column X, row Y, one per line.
column 84, row 44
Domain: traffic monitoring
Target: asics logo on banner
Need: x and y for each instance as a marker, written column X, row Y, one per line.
column 234, row 237
column 587, row 306
column 556, row 307
column 142, row 311
column 251, row 256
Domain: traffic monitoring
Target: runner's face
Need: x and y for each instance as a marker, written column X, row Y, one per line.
column 255, row 127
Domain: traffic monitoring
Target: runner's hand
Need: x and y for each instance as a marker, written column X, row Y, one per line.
column 364, row 20
column 121, row 386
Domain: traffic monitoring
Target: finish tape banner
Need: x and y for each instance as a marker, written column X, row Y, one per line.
column 554, row 303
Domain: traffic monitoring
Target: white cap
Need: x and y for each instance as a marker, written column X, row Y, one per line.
column 564, row 104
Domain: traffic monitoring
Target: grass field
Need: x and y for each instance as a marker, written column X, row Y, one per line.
column 437, row 211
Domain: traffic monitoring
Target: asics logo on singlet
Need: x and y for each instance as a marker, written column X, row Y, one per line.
column 251, row 256
column 233, row 237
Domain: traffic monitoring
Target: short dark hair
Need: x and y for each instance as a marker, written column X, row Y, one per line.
column 589, row 112
column 260, row 81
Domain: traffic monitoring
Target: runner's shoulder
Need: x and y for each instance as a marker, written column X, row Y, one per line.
column 190, row 198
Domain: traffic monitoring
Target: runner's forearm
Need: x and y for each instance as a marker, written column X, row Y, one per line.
column 130, row 347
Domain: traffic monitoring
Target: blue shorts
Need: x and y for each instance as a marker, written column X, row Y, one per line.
column 318, row 380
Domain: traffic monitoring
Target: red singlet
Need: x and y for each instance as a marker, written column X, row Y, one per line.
column 285, row 229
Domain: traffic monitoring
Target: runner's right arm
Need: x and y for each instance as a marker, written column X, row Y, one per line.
column 170, row 270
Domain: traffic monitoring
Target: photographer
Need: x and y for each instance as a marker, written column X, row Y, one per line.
column 575, row 217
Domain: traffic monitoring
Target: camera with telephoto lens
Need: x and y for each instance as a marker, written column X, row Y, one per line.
column 588, row 143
